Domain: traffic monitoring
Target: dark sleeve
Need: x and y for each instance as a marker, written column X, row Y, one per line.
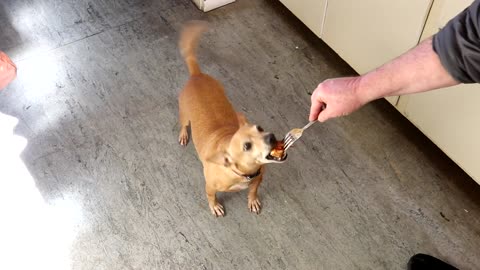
column 458, row 45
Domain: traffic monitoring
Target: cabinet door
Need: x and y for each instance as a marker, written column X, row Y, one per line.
column 442, row 11
column 310, row 12
column 368, row 33
column 449, row 117
column 393, row 100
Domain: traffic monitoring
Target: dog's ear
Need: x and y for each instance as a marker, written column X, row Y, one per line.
column 242, row 120
column 222, row 158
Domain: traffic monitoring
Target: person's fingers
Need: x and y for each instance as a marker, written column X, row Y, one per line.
column 8, row 70
column 324, row 115
column 316, row 106
column 314, row 111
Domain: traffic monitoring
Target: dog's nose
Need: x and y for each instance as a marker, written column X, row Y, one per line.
column 270, row 139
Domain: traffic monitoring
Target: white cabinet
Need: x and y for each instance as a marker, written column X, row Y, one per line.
column 206, row 6
column 310, row 12
column 368, row 33
column 442, row 11
column 449, row 117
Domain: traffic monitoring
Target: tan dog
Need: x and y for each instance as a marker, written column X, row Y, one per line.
column 232, row 150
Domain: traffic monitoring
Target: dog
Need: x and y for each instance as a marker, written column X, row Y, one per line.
column 233, row 151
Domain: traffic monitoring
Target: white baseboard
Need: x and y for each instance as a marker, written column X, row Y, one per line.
column 207, row 5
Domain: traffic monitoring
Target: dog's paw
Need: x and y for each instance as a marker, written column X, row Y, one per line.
column 254, row 206
column 183, row 137
column 217, row 210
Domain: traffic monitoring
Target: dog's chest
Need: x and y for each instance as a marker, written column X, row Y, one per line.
column 239, row 186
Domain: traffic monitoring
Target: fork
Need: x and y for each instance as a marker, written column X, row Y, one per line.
column 295, row 134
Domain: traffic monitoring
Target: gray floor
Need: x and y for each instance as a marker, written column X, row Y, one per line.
column 95, row 98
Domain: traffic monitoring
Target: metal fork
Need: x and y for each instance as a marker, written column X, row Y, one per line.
column 295, row 134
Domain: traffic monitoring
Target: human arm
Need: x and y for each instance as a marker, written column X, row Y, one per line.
column 450, row 57
column 415, row 71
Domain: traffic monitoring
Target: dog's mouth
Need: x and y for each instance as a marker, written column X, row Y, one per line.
column 277, row 159
column 277, row 153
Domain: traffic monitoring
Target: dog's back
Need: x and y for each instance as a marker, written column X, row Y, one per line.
column 203, row 101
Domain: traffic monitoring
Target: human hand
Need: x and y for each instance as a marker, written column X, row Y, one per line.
column 8, row 70
column 336, row 97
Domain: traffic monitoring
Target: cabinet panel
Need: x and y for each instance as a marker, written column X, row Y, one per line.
column 451, row 119
column 310, row 12
column 442, row 11
column 393, row 100
column 368, row 33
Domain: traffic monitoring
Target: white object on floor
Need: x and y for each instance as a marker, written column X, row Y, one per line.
column 207, row 5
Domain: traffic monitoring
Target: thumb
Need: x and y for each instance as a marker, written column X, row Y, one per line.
column 315, row 110
column 324, row 115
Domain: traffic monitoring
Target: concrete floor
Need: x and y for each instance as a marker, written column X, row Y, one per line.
column 102, row 184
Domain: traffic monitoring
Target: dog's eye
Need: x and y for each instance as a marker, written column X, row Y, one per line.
column 260, row 129
column 247, row 146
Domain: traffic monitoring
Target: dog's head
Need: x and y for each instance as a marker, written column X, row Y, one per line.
column 249, row 147
column 251, row 144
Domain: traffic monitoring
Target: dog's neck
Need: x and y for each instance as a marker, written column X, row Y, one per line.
column 223, row 136
column 248, row 177
column 221, row 140
column 217, row 141
column 248, row 174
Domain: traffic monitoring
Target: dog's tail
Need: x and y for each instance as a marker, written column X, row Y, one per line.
column 188, row 43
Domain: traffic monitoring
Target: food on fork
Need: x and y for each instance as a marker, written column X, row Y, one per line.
column 278, row 151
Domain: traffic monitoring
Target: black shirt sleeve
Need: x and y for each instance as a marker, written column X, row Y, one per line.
column 458, row 45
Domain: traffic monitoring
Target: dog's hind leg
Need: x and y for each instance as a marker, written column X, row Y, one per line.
column 184, row 122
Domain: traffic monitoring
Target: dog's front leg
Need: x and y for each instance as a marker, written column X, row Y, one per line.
column 215, row 207
column 253, row 202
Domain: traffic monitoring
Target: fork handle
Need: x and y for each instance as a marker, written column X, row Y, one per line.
column 309, row 124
